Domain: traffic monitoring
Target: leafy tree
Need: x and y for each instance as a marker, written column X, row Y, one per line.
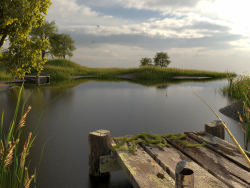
column 46, row 31
column 16, row 20
column 161, row 59
column 62, row 45
column 145, row 61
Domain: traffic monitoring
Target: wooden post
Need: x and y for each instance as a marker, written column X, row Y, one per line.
column 99, row 145
column 48, row 78
column 215, row 128
column 37, row 80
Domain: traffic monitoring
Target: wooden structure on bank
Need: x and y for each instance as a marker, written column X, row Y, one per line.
column 217, row 164
column 38, row 79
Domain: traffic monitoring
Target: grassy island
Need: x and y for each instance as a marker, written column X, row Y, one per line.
column 61, row 69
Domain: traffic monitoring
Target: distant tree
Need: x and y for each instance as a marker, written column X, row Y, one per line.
column 62, row 45
column 16, row 20
column 145, row 61
column 161, row 59
column 46, row 31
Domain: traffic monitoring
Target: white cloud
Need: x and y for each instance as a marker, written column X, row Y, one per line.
column 190, row 28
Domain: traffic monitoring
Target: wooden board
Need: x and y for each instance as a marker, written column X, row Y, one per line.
column 221, row 168
column 169, row 158
column 141, row 169
column 222, row 147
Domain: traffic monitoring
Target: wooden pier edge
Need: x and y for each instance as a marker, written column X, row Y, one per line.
column 101, row 162
column 99, row 143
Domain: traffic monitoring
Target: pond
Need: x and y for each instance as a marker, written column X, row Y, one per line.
column 124, row 108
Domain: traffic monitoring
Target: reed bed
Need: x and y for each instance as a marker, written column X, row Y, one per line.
column 18, row 177
column 240, row 89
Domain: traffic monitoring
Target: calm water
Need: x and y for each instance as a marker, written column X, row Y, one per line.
column 123, row 108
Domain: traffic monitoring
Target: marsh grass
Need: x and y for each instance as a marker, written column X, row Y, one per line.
column 236, row 90
column 62, row 69
column 18, row 177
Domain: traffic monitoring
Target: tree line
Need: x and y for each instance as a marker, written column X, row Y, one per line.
column 29, row 36
column 161, row 59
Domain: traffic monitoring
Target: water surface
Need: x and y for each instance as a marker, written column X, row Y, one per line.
column 124, row 108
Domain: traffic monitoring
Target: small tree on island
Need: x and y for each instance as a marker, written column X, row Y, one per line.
column 161, row 59
column 145, row 62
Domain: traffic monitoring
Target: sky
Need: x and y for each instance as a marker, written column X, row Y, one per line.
column 212, row 35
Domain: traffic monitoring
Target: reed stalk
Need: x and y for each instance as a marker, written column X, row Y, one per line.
column 230, row 134
column 19, row 177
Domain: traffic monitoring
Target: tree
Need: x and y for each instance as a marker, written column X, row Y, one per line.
column 16, row 20
column 145, row 61
column 62, row 44
column 46, row 31
column 161, row 59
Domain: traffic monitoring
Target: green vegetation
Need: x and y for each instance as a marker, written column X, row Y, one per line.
column 16, row 20
column 159, row 141
column 9, row 158
column 60, row 69
column 62, row 44
column 236, row 90
column 161, row 60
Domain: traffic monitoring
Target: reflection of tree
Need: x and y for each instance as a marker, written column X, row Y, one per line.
column 39, row 97
column 162, row 87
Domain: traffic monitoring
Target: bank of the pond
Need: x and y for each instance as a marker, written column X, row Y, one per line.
column 61, row 69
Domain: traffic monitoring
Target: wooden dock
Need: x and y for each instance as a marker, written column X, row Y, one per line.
column 38, row 79
column 217, row 164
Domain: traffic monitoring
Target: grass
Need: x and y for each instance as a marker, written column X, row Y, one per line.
column 62, row 69
column 240, row 89
column 18, row 177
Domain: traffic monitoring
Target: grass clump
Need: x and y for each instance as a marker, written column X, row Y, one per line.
column 9, row 159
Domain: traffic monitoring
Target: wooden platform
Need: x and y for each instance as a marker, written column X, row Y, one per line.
column 217, row 164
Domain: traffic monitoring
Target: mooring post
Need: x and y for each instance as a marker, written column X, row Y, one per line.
column 215, row 128
column 37, row 80
column 99, row 145
column 48, row 78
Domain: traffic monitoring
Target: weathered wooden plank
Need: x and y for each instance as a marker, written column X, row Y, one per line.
column 109, row 163
column 168, row 159
column 223, row 169
column 141, row 169
column 222, row 147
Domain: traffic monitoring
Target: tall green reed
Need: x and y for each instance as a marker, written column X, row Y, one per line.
column 19, row 177
column 246, row 111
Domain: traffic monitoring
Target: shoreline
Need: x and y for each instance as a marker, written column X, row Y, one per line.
column 130, row 76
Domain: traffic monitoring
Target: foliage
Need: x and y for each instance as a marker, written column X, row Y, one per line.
column 161, row 59
column 16, row 19
column 62, row 45
column 17, row 178
column 145, row 61
column 246, row 112
column 46, row 31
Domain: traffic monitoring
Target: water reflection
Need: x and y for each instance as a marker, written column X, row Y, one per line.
column 124, row 107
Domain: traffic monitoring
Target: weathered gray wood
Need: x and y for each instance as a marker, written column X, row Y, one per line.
column 109, row 163
column 141, row 169
column 169, row 158
column 37, row 80
column 99, row 144
column 222, row 147
column 215, row 128
column 223, row 169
